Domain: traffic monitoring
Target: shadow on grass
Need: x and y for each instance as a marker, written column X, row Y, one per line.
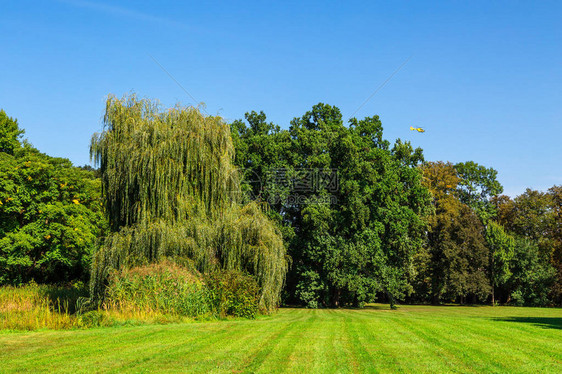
column 386, row 306
column 544, row 322
column 346, row 307
column 375, row 307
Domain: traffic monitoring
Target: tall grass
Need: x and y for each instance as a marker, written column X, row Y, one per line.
column 37, row 307
column 159, row 288
column 157, row 293
column 33, row 307
column 176, row 290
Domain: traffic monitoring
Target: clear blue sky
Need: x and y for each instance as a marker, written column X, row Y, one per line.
column 484, row 78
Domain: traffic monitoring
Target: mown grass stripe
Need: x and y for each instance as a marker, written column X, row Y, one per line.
column 414, row 339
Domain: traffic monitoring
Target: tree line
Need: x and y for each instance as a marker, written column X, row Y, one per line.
column 398, row 227
column 322, row 214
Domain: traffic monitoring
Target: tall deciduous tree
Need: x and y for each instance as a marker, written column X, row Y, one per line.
column 50, row 213
column 555, row 233
column 453, row 267
column 532, row 275
column 501, row 246
column 536, row 216
column 170, row 190
column 353, row 203
column 477, row 186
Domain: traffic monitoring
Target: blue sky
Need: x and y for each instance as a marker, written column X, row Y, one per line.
column 484, row 78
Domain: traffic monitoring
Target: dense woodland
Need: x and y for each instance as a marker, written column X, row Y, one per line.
column 322, row 214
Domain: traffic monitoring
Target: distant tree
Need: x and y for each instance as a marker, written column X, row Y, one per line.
column 96, row 172
column 531, row 216
column 456, row 259
column 501, row 246
column 479, row 189
column 505, row 211
column 536, row 216
column 468, row 270
column 531, row 275
column 477, row 186
column 555, row 233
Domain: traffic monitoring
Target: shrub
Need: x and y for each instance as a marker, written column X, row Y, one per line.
column 310, row 289
column 517, row 298
column 157, row 293
column 233, row 293
column 94, row 318
column 164, row 287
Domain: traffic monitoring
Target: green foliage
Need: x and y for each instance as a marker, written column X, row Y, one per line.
column 233, row 293
column 476, row 186
column 10, row 134
column 164, row 287
column 501, row 246
column 171, row 191
column 532, row 275
column 529, row 215
column 228, row 200
column 555, row 233
column 453, row 267
column 94, row 318
column 349, row 242
column 50, row 217
column 310, row 288
column 536, row 216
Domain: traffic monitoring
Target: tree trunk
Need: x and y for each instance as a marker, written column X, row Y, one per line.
column 336, row 298
column 435, row 299
column 391, row 300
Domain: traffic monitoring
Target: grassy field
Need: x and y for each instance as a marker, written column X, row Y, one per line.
column 411, row 339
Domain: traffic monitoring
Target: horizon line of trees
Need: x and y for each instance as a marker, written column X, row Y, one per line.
column 361, row 219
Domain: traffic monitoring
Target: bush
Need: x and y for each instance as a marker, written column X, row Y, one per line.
column 310, row 289
column 233, row 293
column 532, row 275
column 517, row 298
column 94, row 318
column 165, row 287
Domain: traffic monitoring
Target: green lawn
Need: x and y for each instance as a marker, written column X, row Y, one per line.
column 411, row 339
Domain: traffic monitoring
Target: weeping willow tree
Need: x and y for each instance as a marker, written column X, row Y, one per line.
column 171, row 191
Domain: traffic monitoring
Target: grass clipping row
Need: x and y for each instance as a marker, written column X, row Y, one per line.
column 170, row 190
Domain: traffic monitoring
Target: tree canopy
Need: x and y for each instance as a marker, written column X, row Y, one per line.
column 170, row 190
column 10, row 134
column 535, row 218
column 323, row 213
column 477, row 185
column 50, row 213
column 454, row 265
column 350, row 204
